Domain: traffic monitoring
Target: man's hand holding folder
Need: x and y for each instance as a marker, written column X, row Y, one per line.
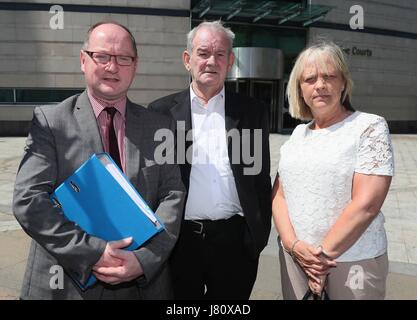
column 101, row 200
column 117, row 265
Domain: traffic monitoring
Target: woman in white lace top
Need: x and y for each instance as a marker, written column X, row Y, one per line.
column 334, row 174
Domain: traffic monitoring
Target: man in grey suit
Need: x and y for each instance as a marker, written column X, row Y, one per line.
column 61, row 138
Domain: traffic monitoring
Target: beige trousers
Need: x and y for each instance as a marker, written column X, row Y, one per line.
column 358, row 280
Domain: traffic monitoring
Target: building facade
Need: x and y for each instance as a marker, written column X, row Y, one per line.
column 382, row 57
column 39, row 64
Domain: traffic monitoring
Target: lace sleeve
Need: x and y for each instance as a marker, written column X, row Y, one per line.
column 375, row 154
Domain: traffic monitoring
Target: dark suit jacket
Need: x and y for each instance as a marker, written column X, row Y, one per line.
column 254, row 191
column 61, row 138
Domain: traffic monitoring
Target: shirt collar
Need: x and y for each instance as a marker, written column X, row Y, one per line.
column 195, row 98
column 99, row 105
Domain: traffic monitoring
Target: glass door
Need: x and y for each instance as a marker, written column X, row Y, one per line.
column 270, row 92
column 266, row 91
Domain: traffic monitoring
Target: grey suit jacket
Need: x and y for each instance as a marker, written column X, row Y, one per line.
column 61, row 138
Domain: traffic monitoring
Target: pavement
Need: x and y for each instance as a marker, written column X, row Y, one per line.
column 400, row 210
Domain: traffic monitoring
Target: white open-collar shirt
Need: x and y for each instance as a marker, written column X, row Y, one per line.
column 212, row 193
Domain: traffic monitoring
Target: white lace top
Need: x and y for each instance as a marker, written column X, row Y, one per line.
column 316, row 168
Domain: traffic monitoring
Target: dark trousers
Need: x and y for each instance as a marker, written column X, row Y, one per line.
column 210, row 261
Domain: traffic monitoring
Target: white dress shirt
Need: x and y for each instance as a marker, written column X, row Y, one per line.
column 212, row 193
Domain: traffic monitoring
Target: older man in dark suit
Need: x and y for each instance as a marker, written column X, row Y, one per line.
column 227, row 217
column 61, row 138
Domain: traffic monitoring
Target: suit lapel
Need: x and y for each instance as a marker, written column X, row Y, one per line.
column 133, row 134
column 87, row 121
column 181, row 111
column 232, row 112
column 233, row 115
column 90, row 132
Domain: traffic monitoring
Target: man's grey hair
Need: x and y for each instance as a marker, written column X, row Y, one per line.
column 214, row 25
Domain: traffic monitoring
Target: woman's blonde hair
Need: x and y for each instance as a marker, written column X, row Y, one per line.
column 318, row 54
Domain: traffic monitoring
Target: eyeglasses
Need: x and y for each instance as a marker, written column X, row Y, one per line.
column 104, row 58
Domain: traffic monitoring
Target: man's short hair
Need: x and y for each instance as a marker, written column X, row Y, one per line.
column 132, row 38
column 214, row 25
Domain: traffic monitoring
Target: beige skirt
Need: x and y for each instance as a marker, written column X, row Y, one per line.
column 358, row 280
